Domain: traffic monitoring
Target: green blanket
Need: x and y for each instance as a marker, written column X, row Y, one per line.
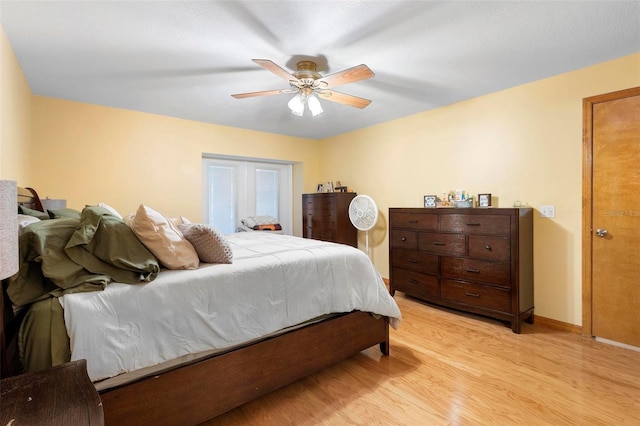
column 104, row 244
column 45, row 269
column 43, row 340
column 62, row 256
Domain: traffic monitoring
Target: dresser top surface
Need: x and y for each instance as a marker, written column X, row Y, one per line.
column 469, row 210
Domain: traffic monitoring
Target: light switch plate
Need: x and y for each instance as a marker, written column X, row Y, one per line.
column 548, row 211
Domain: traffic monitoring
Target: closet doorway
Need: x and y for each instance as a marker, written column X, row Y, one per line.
column 611, row 216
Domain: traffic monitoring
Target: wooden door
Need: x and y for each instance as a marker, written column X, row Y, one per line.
column 611, row 213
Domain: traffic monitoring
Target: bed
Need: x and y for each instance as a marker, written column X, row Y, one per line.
column 312, row 320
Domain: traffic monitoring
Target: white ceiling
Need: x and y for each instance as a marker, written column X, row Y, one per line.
column 185, row 59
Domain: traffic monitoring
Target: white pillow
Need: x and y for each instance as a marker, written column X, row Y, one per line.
column 110, row 210
column 24, row 220
column 210, row 244
column 163, row 239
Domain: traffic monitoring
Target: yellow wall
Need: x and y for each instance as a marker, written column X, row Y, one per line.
column 524, row 143
column 90, row 154
column 15, row 116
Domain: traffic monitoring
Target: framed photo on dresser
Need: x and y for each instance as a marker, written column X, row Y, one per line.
column 430, row 201
column 484, row 200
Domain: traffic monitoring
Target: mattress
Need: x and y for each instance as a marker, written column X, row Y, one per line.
column 274, row 282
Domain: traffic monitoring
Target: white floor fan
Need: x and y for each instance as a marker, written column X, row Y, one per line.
column 363, row 214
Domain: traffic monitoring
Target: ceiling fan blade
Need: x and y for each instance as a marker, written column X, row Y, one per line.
column 264, row 93
column 351, row 75
column 276, row 69
column 343, row 98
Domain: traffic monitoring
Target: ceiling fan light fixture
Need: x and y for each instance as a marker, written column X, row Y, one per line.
column 296, row 105
column 309, row 85
column 314, row 105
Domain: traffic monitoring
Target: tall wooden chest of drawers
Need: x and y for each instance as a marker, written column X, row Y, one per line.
column 475, row 260
column 325, row 216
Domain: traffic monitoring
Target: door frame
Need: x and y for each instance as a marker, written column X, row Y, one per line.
column 587, row 199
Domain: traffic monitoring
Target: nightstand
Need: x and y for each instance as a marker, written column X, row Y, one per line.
column 61, row 395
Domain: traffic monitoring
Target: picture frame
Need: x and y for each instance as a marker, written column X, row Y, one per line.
column 320, row 188
column 430, row 201
column 484, row 200
column 328, row 187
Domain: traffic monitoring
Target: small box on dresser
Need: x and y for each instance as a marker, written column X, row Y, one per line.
column 474, row 260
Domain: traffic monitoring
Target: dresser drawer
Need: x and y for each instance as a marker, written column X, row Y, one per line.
column 425, row 222
column 490, row 248
column 320, row 219
column 322, row 234
column 414, row 283
column 404, row 239
column 317, row 211
column 450, row 244
column 476, row 270
column 476, row 224
column 493, row 298
column 319, row 202
column 415, row 261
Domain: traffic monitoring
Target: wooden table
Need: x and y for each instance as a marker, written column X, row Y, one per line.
column 61, row 395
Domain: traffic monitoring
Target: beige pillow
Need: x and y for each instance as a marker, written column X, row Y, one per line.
column 179, row 220
column 210, row 244
column 163, row 239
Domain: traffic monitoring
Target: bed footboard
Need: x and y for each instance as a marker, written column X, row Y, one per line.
column 197, row 392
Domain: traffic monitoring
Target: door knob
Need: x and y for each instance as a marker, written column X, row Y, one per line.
column 601, row 232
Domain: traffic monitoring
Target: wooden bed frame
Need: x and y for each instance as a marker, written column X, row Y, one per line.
column 201, row 390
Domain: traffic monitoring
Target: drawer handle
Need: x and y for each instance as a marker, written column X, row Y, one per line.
column 473, row 224
column 412, row 260
column 487, row 247
column 413, row 221
column 403, row 239
column 472, row 294
column 473, row 271
column 414, row 281
column 437, row 243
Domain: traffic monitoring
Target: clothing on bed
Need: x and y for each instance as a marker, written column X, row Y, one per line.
column 60, row 256
column 274, row 282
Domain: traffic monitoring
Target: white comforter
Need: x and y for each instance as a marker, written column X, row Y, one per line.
column 275, row 281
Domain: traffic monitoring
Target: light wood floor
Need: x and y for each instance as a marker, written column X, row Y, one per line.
column 454, row 369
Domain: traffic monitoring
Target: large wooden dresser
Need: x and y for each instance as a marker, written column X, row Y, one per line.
column 475, row 260
column 325, row 216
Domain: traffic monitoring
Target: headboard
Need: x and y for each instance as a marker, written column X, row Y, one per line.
column 9, row 321
column 28, row 197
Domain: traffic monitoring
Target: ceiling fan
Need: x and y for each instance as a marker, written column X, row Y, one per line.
column 308, row 85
